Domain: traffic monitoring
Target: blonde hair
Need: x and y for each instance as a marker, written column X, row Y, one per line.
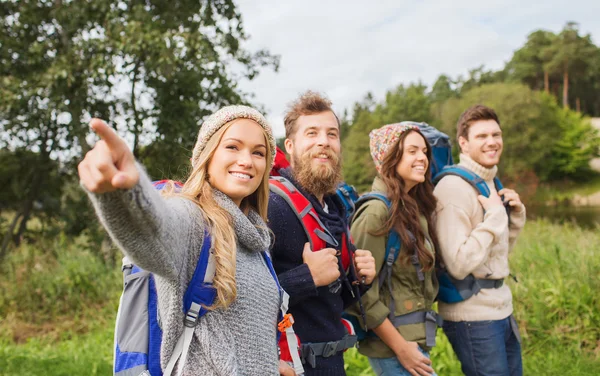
column 218, row 220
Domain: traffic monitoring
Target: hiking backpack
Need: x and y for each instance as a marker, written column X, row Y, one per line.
column 138, row 332
column 451, row 290
column 318, row 236
column 392, row 251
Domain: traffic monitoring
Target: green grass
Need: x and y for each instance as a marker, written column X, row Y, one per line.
column 556, row 303
column 87, row 354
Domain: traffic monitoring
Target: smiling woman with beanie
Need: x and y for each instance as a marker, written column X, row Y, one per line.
column 226, row 197
column 398, row 306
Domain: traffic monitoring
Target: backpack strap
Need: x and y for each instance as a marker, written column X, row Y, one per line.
column 392, row 251
column 392, row 247
column 472, row 178
column 286, row 320
column 348, row 195
column 317, row 234
column 200, row 293
column 431, row 319
column 469, row 286
column 467, row 175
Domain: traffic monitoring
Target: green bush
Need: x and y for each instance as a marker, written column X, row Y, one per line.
column 54, row 277
column 538, row 134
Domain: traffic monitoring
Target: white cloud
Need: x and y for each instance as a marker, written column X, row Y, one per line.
column 345, row 49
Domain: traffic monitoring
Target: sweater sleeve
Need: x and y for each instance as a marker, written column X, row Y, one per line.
column 463, row 247
column 154, row 231
column 366, row 222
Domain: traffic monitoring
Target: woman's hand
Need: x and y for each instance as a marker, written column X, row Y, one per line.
column 414, row 361
column 110, row 165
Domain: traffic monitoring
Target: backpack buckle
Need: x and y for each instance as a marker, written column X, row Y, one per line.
column 191, row 316
column 285, row 323
column 330, row 349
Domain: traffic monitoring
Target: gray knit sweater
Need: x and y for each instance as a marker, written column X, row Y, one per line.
column 164, row 236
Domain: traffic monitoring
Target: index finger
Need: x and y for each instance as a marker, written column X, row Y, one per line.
column 106, row 133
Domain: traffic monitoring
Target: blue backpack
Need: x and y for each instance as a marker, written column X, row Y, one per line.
column 392, row 251
column 138, row 332
column 451, row 289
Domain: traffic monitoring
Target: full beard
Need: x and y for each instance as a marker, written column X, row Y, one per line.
column 318, row 180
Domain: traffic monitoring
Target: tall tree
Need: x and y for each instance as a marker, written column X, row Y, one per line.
column 570, row 55
column 527, row 64
column 443, row 89
column 156, row 66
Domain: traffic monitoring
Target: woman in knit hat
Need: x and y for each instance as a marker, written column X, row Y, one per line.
column 398, row 306
column 226, row 196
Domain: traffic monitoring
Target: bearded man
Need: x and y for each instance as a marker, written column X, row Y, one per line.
column 320, row 282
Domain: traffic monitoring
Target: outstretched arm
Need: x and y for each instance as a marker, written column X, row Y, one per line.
column 156, row 233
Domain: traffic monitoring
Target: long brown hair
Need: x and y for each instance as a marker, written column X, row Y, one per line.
column 407, row 207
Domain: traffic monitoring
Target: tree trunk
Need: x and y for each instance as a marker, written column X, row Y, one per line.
column 565, row 89
column 24, row 219
column 546, row 82
column 35, row 184
column 578, row 104
column 8, row 236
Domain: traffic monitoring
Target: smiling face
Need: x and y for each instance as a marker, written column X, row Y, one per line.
column 413, row 164
column 483, row 143
column 238, row 164
column 315, row 152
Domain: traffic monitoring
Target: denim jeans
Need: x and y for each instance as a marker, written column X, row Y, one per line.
column 391, row 366
column 486, row 348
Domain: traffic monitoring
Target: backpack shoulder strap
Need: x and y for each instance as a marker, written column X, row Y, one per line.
column 285, row 320
column 469, row 176
column 374, row 196
column 316, row 232
column 199, row 294
column 498, row 184
column 393, row 244
column 348, row 195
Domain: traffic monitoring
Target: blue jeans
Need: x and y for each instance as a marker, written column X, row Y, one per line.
column 486, row 348
column 391, row 366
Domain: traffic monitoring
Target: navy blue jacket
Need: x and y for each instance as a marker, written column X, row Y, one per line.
column 317, row 311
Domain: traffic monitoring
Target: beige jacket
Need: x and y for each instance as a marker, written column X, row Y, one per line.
column 474, row 243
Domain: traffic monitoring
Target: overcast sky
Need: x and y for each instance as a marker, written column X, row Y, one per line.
column 347, row 48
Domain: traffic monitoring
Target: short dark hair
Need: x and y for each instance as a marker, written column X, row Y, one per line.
column 471, row 115
column 309, row 103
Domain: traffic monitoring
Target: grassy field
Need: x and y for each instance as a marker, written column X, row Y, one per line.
column 59, row 301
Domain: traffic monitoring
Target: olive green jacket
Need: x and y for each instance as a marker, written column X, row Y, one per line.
column 410, row 294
